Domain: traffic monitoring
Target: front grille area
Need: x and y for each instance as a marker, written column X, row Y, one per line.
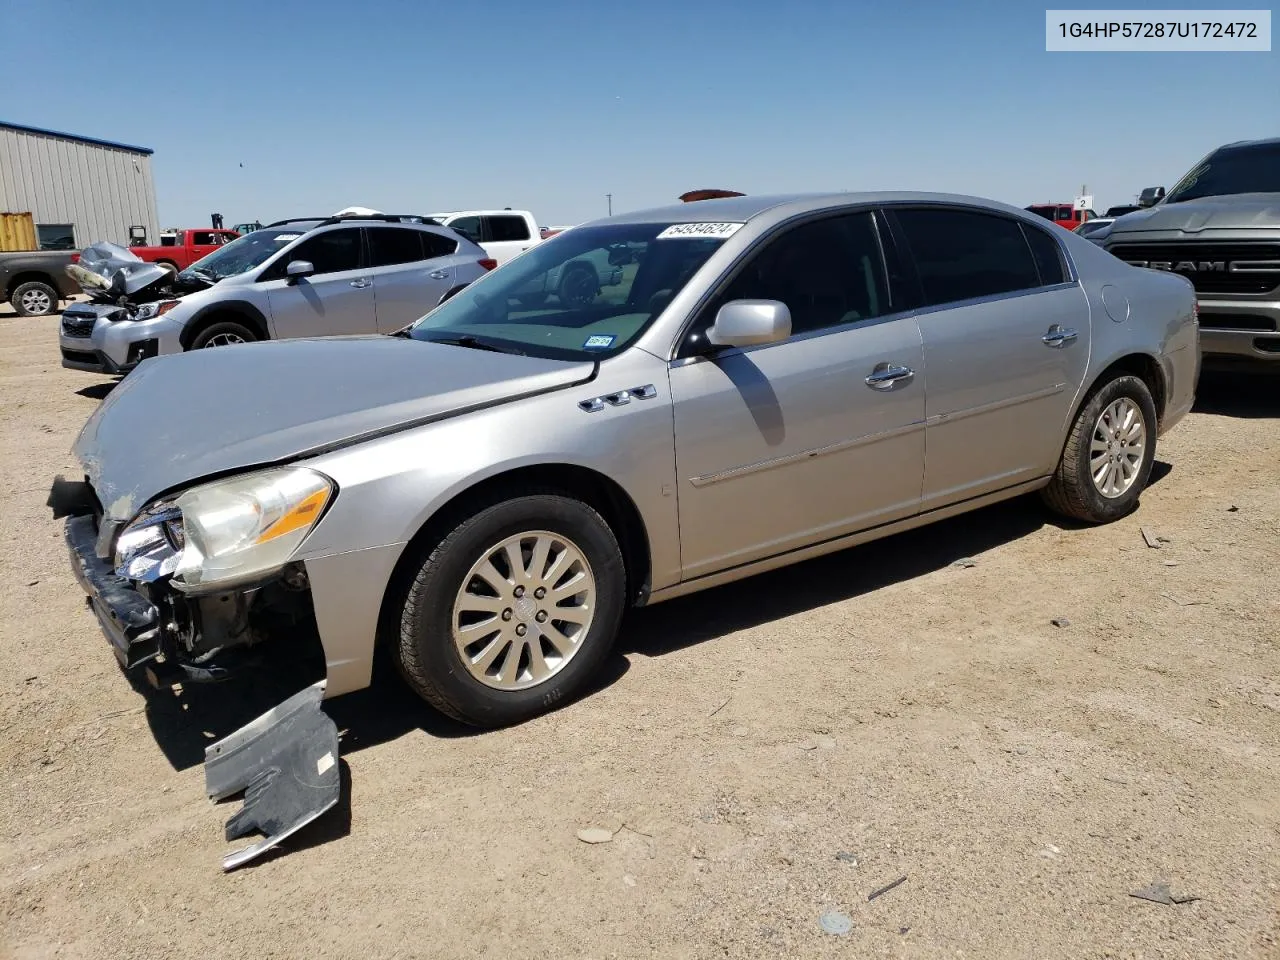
column 77, row 326
column 1237, row 321
column 1208, row 265
column 80, row 356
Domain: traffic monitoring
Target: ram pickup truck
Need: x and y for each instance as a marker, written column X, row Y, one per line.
column 1064, row 215
column 1220, row 228
column 182, row 248
column 36, row 281
column 503, row 234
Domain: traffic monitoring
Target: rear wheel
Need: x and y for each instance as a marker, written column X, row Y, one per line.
column 513, row 611
column 34, row 299
column 578, row 286
column 222, row 334
column 1107, row 459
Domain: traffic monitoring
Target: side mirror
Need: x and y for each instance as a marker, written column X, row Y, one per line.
column 298, row 269
column 1151, row 196
column 745, row 323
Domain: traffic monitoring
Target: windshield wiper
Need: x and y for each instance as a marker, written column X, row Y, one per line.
column 475, row 343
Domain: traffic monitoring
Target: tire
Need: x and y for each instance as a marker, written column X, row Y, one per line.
column 432, row 662
column 578, row 286
column 34, row 299
column 1073, row 491
column 171, row 267
column 222, row 333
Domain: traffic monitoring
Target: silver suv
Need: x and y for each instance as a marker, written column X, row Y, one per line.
column 312, row 277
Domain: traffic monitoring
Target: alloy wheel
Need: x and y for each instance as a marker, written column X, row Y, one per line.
column 523, row 610
column 1118, row 448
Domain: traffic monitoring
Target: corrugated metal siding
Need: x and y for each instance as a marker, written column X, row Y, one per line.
column 102, row 191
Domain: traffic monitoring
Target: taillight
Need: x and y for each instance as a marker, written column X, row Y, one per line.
column 75, row 258
column 488, row 264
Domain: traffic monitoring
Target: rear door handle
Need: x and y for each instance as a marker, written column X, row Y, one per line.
column 885, row 375
column 360, row 284
column 1058, row 335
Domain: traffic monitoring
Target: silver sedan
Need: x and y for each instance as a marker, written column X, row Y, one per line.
column 480, row 497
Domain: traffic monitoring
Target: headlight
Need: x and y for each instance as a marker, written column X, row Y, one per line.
column 149, row 311
column 242, row 528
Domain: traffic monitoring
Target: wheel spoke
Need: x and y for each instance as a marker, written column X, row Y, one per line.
column 570, row 587
column 484, row 659
column 564, row 646
column 472, row 632
column 511, row 662
column 487, row 572
column 515, row 561
column 538, row 562
column 572, row 614
column 475, row 603
column 539, row 669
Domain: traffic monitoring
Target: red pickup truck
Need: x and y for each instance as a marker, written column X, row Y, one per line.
column 1063, row 214
column 182, row 248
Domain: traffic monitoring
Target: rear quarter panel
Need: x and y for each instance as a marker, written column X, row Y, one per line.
column 1139, row 311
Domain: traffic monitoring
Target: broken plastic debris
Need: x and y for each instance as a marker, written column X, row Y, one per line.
column 1152, row 540
column 595, row 835
column 286, row 762
column 845, row 857
column 1158, row 892
column 835, row 923
column 1060, row 622
column 965, row 563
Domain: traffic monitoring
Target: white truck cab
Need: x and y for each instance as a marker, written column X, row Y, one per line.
column 503, row 234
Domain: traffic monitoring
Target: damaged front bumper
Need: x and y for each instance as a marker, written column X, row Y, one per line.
column 286, row 761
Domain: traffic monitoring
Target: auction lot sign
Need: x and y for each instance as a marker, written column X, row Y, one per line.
column 1153, row 31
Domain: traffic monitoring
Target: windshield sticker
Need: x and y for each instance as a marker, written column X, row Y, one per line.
column 599, row 341
column 700, row 231
column 286, row 237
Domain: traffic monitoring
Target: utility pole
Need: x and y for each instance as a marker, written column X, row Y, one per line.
column 609, row 197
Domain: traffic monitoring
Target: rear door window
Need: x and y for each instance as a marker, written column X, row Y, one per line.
column 1047, row 255
column 434, row 245
column 966, row 254
column 505, row 228
column 389, row 246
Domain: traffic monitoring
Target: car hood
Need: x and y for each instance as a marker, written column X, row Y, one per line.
column 178, row 419
column 109, row 269
column 1235, row 212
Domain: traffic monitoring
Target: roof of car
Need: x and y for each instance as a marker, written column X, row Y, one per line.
column 743, row 209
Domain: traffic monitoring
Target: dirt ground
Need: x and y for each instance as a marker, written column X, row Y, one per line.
column 766, row 752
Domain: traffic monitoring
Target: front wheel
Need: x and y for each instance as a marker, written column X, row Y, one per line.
column 513, row 611
column 1107, row 459
column 222, row 334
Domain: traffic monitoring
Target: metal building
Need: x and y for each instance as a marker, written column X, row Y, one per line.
column 79, row 190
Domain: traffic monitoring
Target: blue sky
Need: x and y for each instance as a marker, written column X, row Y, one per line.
column 280, row 108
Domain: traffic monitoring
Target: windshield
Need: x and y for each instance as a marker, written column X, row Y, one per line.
column 1248, row 169
column 243, row 253
column 583, row 294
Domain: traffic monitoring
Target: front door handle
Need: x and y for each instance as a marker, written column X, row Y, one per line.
column 885, row 375
column 360, row 284
column 1058, row 335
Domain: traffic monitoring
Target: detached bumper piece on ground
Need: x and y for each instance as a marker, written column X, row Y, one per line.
column 286, row 762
